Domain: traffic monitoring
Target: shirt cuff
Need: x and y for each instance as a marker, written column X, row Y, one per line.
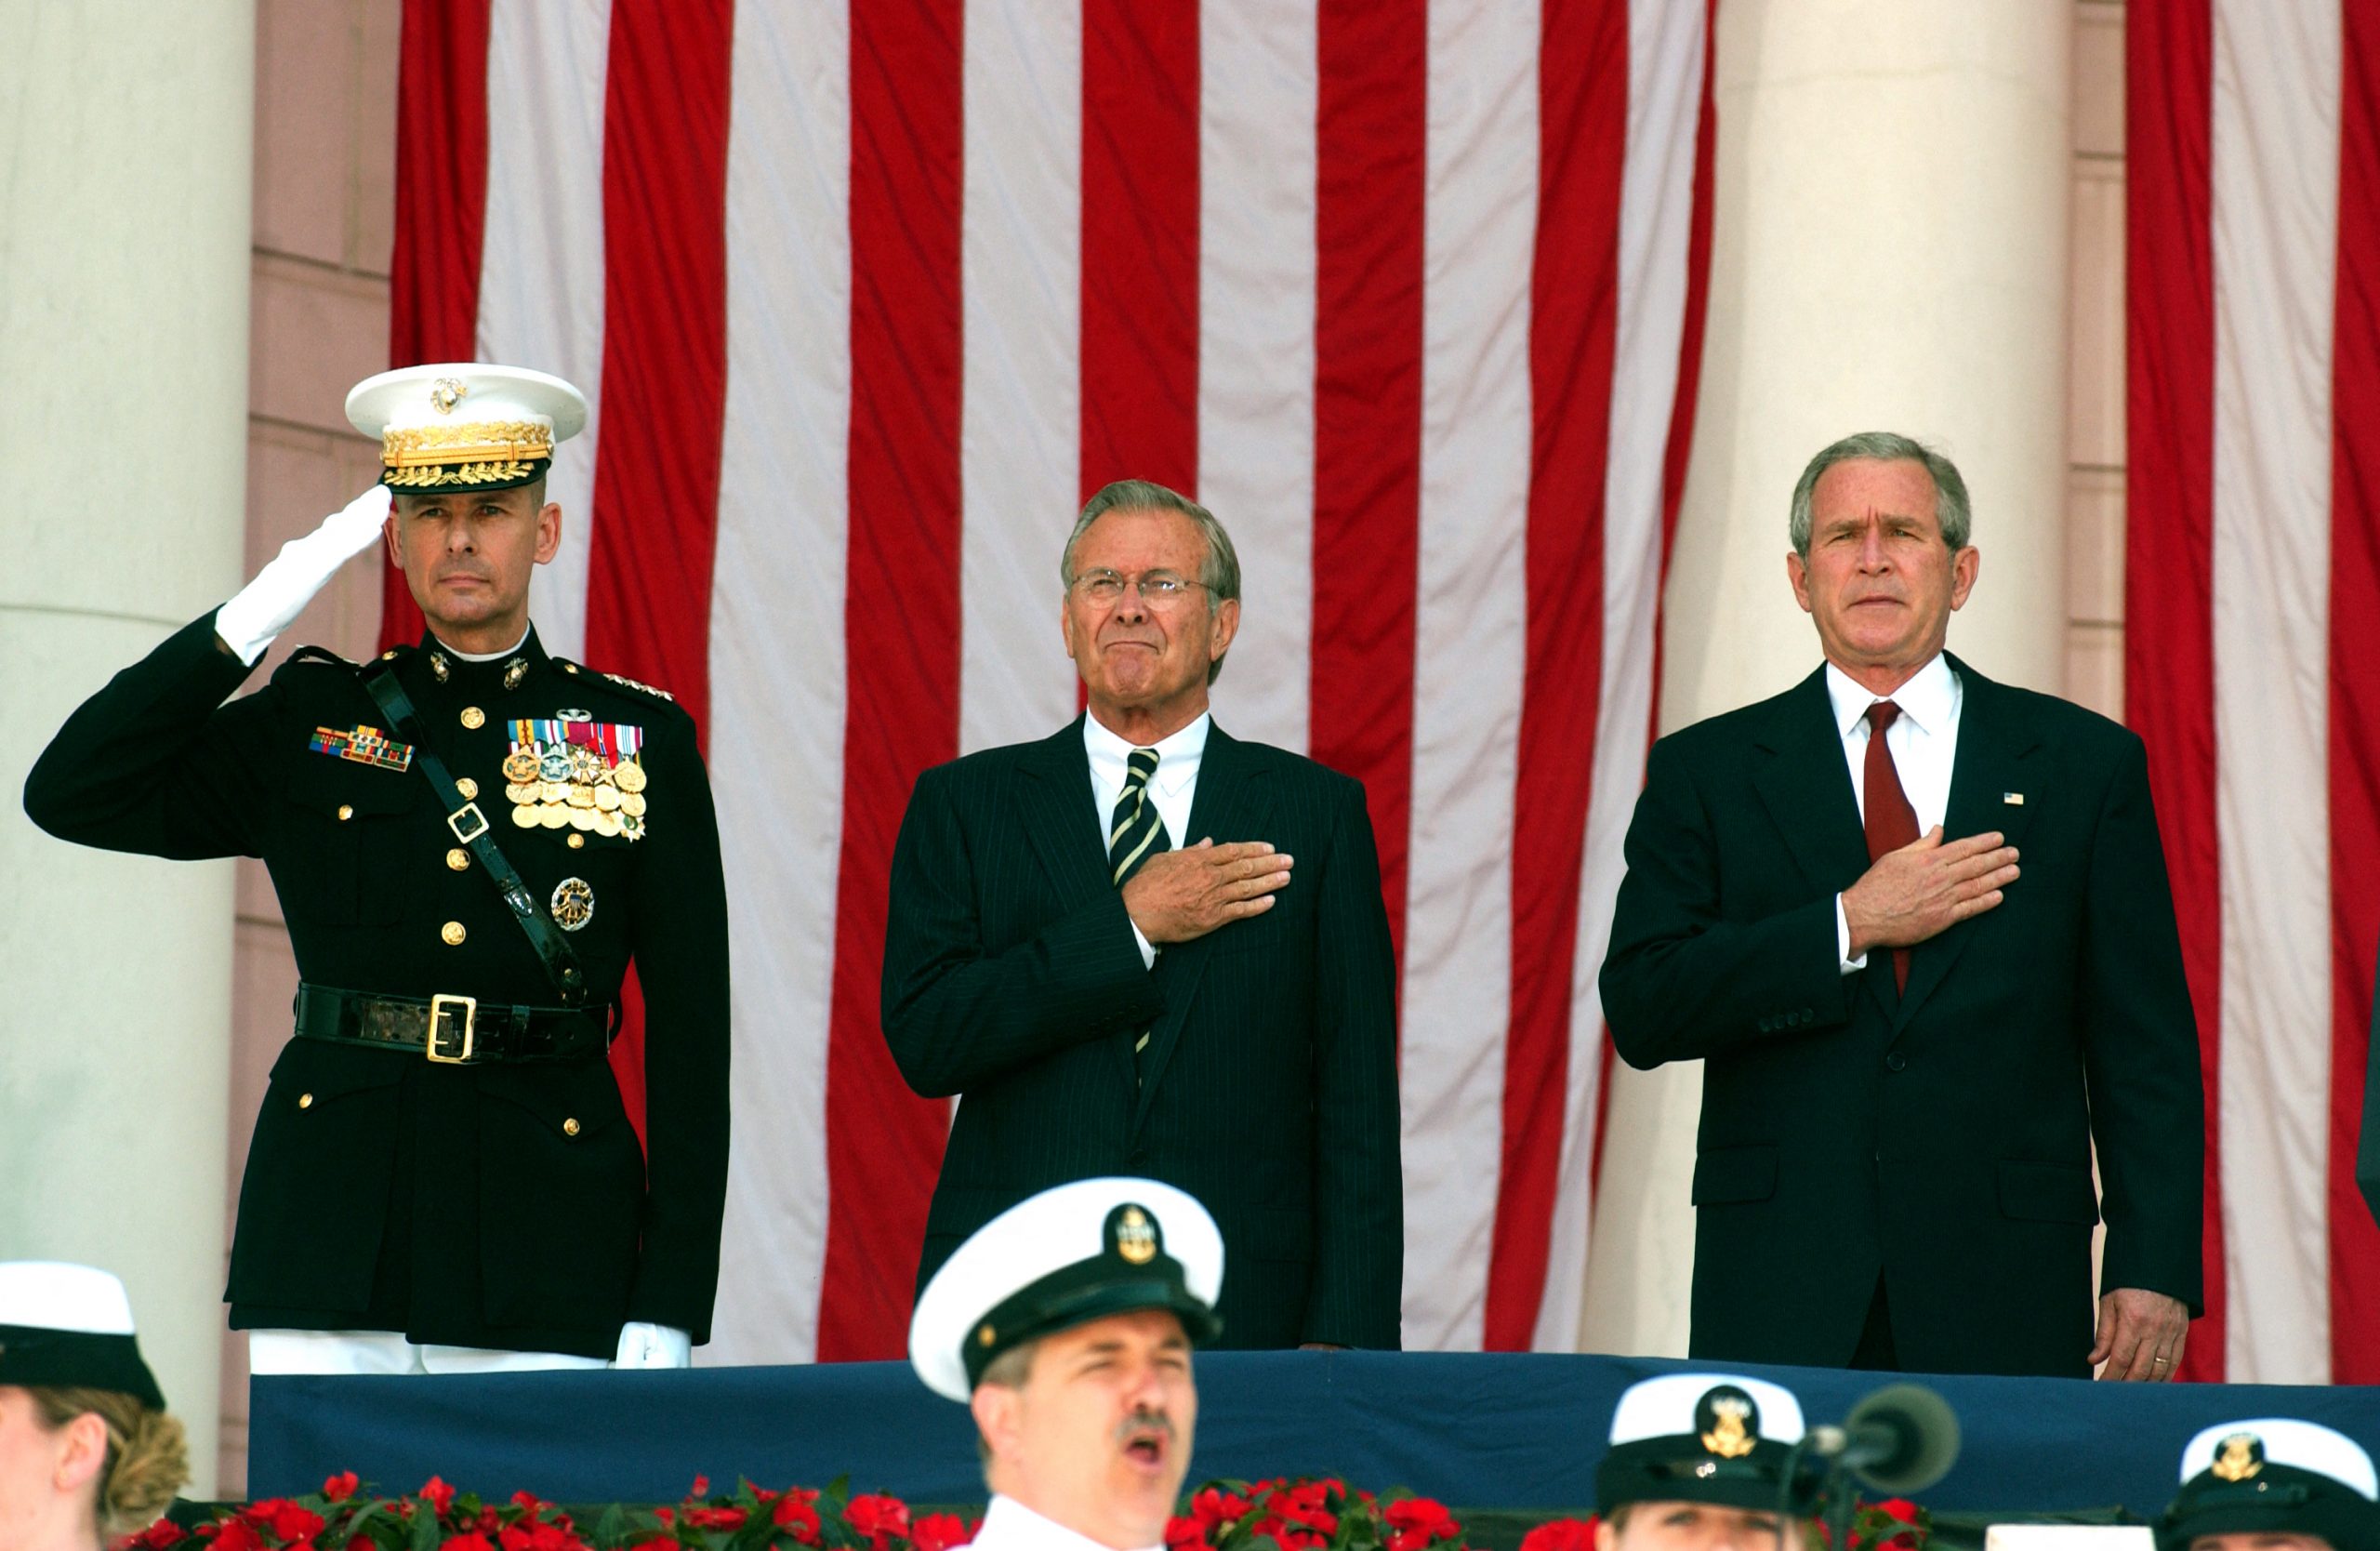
column 1148, row 948
column 1844, row 961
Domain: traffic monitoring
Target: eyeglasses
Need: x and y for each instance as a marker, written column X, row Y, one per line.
column 1158, row 588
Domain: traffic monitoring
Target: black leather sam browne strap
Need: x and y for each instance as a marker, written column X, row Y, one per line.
column 470, row 828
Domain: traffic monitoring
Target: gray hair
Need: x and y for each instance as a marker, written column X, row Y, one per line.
column 1218, row 572
column 1950, row 509
column 1010, row 1371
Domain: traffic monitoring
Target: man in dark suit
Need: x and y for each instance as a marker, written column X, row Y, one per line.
column 1081, row 945
column 1909, row 1051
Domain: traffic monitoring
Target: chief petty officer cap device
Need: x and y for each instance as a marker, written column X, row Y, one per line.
column 1704, row 1438
column 70, row 1327
column 462, row 426
column 1073, row 1253
column 2274, row 1476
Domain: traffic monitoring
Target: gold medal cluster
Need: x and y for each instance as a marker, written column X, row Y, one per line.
column 571, row 787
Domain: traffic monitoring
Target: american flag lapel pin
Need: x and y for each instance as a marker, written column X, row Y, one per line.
column 2013, row 799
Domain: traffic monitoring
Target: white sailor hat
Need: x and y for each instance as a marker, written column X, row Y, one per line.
column 1073, row 1254
column 460, row 425
column 70, row 1327
column 1704, row 1438
column 2274, row 1475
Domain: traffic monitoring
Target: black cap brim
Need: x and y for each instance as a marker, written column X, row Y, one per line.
column 35, row 1357
column 1680, row 1471
column 2279, row 1500
column 464, row 478
column 1093, row 1289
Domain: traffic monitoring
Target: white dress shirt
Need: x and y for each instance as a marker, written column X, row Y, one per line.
column 1923, row 741
column 1008, row 1525
column 1173, row 788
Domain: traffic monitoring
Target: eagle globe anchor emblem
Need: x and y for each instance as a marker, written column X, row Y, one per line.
column 1729, row 1437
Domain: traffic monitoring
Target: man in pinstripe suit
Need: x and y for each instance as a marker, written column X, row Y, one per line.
column 1143, row 947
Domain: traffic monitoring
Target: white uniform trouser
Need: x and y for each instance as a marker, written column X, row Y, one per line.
column 389, row 1352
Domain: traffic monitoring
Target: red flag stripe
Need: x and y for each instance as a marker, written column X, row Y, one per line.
column 1370, row 176
column 1140, row 243
column 442, row 188
column 2169, row 556
column 2355, row 694
column 883, row 1143
column 665, row 344
column 1574, row 300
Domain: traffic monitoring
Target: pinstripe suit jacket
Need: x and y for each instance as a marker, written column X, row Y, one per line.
column 1011, row 977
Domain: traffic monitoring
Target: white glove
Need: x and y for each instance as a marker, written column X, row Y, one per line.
column 266, row 606
column 643, row 1346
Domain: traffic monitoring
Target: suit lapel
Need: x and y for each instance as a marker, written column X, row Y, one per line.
column 1995, row 741
column 1803, row 780
column 1058, row 814
column 1232, row 802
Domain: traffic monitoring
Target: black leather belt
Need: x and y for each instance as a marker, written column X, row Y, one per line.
column 452, row 1030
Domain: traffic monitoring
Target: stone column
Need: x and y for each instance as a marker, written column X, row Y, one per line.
column 1892, row 189
column 124, row 356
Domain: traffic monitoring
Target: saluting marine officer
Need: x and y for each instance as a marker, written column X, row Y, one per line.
column 472, row 842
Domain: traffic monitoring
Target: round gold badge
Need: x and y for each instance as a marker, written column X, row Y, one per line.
column 583, row 818
column 459, row 860
column 468, row 788
column 453, row 933
column 525, row 791
column 607, row 798
column 630, row 778
column 525, row 815
column 520, row 765
column 633, row 804
column 607, row 823
column 552, row 792
column 573, row 904
column 553, row 815
column 474, row 718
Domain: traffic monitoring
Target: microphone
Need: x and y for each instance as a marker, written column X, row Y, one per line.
column 1902, row 1438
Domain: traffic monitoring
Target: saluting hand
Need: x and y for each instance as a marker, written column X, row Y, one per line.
column 1925, row 888
column 1181, row 895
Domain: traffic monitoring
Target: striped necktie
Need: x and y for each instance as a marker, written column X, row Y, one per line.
column 1135, row 832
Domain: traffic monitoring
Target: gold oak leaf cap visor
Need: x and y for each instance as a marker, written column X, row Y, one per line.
column 460, row 426
column 1704, row 1438
column 1073, row 1254
column 2274, row 1475
column 70, row 1327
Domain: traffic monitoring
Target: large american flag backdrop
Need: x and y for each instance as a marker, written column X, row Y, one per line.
column 2253, row 631
column 869, row 297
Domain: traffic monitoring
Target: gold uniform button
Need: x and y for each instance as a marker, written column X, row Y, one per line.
column 305, row 1101
column 577, row 841
column 453, row 933
column 474, row 718
column 345, row 812
column 570, row 668
column 458, row 859
column 468, row 788
column 569, row 1127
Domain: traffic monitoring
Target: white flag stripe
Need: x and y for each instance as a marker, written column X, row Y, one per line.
column 1470, row 652
column 1258, row 87
column 541, row 271
column 1021, row 436
column 777, row 654
column 2274, row 178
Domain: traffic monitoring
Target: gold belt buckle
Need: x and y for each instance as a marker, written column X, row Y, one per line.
column 440, row 1005
column 469, row 815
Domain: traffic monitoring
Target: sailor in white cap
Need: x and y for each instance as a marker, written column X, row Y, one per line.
column 85, row 1446
column 1703, row 1462
column 2273, row 1484
column 1067, row 1324
column 472, row 842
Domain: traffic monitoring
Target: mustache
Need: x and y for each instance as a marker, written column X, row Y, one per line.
column 1143, row 1419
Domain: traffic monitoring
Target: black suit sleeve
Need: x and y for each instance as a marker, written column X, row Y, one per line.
column 1356, row 1295
column 154, row 762
column 2140, row 1052
column 957, row 1012
column 1680, row 981
column 681, row 966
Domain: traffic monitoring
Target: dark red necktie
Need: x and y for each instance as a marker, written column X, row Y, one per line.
column 1891, row 822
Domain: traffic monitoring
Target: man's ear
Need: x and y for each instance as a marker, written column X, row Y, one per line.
column 1227, row 626
column 997, row 1409
column 1797, row 571
column 549, row 532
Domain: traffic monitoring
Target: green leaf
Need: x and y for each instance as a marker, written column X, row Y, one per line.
column 424, row 1528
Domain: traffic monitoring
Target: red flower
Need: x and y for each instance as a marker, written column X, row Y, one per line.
column 341, row 1487
column 1416, row 1522
column 157, row 1537
column 1900, row 1508
column 667, row 1516
column 438, row 1494
column 536, row 1534
column 283, row 1519
column 237, row 1535
column 794, row 1515
column 472, row 1541
column 940, row 1531
column 1213, row 1510
column 1561, row 1535
column 700, row 1489
column 878, row 1517
column 1184, row 1534
column 730, row 1518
